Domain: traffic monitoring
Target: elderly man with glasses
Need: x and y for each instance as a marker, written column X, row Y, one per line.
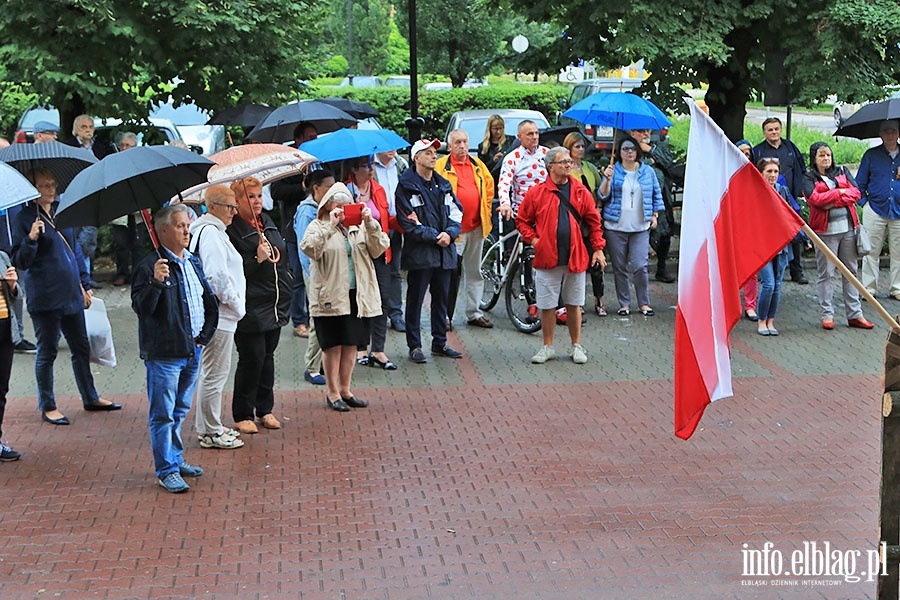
column 551, row 218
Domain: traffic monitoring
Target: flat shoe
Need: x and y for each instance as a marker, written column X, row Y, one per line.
column 269, row 421
column 101, row 407
column 354, row 402
column 247, row 426
column 338, row 405
column 773, row 332
column 64, row 420
column 481, row 322
column 828, row 324
column 762, row 331
column 647, row 312
column 860, row 323
column 386, row 365
column 754, row 317
column 623, row 312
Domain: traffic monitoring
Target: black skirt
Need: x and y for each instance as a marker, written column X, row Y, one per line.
column 345, row 330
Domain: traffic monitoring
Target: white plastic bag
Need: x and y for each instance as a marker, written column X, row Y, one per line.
column 99, row 332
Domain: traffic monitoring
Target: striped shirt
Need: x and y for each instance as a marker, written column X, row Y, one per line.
column 193, row 291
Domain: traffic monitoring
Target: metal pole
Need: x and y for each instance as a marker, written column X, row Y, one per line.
column 413, row 123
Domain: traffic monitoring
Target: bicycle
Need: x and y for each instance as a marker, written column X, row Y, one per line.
column 507, row 263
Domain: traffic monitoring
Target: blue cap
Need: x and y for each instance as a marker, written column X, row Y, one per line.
column 42, row 126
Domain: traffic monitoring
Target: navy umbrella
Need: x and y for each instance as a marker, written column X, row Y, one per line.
column 279, row 126
column 126, row 182
column 359, row 110
column 64, row 161
column 244, row 115
column 866, row 122
column 352, row 143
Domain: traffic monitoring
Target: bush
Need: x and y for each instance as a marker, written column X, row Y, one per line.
column 437, row 107
column 337, row 65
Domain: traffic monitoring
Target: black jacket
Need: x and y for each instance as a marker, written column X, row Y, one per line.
column 268, row 284
column 437, row 210
column 164, row 323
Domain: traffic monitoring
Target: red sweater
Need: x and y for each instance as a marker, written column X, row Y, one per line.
column 538, row 216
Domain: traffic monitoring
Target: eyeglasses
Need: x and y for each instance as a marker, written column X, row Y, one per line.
column 230, row 207
column 627, row 149
column 565, row 162
column 766, row 161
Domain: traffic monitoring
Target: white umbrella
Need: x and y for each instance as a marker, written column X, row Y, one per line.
column 16, row 189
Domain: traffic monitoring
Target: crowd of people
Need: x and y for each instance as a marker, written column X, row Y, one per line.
column 230, row 278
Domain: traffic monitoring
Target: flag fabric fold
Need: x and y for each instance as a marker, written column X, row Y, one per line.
column 733, row 222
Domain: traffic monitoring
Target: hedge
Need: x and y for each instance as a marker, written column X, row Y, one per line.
column 436, row 107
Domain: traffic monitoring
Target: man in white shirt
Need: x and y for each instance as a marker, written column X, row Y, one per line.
column 522, row 168
column 388, row 168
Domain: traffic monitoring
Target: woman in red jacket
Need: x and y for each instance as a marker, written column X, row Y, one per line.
column 359, row 177
column 832, row 194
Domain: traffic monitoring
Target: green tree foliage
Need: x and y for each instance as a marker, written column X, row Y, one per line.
column 817, row 47
column 398, row 49
column 459, row 38
column 337, row 66
column 117, row 57
column 363, row 37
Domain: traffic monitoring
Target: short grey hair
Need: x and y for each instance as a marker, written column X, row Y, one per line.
column 164, row 215
column 552, row 153
column 79, row 119
column 457, row 132
column 126, row 135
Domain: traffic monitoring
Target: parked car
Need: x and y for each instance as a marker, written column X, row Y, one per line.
column 191, row 120
column 438, row 86
column 397, row 81
column 600, row 137
column 843, row 110
column 361, row 81
column 474, row 122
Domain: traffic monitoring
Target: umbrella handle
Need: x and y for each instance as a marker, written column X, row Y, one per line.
column 145, row 215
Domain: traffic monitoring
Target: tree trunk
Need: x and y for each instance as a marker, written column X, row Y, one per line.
column 729, row 86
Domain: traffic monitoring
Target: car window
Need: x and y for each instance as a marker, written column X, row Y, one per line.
column 579, row 93
column 476, row 127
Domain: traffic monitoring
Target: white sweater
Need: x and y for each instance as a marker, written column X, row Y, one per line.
column 223, row 267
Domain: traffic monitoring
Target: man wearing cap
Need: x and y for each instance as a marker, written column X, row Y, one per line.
column 431, row 217
column 878, row 179
column 474, row 188
column 45, row 131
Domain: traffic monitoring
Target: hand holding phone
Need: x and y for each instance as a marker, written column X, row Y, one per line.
column 353, row 214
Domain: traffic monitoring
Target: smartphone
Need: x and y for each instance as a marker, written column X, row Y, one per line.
column 352, row 214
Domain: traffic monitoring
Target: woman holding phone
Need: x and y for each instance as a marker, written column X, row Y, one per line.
column 345, row 296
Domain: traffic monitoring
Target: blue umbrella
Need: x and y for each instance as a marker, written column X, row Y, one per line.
column 62, row 160
column 620, row 110
column 129, row 181
column 353, row 143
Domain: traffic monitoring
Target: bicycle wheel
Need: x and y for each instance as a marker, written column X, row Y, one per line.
column 491, row 271
column 521, row 300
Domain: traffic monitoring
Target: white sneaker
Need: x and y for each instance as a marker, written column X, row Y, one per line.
column 222, row 441
column 544, row 354
column 579, row 356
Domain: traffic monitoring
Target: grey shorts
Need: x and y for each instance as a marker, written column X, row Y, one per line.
column 553, row 284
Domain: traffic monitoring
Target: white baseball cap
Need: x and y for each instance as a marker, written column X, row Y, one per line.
column 423, row 144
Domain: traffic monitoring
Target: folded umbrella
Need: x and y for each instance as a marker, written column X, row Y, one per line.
column 126, row 182
column 866, row 122
column 16, row 189
column 278, row 126
column 244, row 115
column 265, row 162
column 359, row 110
column 352, row 143
column 64, row 161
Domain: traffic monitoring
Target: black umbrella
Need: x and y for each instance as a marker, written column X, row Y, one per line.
column 866, row 122
column 245, row 115
column 279, row 126
column 64, row 161
column 359, row 110
column 125, row 182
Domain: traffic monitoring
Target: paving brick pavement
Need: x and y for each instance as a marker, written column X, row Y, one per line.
column 483, row 477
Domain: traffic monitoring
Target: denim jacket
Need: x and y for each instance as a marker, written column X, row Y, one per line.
column 612, row 209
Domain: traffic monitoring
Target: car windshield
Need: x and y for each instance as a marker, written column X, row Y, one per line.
column 476, row 127
column 34, row 115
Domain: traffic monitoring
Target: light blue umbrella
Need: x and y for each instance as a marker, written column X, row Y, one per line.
column 353, row 143
column 14, row 188
column 619, row 110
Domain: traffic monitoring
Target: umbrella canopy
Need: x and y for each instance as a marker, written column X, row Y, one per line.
column 359, row 110
column 351, row 143
column 866, row 122
column 244, row 115
column 125, row 182
column 279, row 126
column 266, row 162
column 16, row 189
column 620, row 110
column 64, row 161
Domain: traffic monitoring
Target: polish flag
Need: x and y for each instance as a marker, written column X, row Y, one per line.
column 733, row 222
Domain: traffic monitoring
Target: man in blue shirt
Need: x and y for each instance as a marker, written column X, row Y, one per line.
column 879, row 182
column 177, row 315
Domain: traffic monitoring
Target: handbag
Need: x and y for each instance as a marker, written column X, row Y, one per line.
column 99, row 332
column 863, row 243
column 585, row 230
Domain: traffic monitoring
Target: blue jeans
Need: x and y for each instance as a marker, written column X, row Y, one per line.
column 299, row 312
column 47, row 327
column 170, row 386
column 770, row 277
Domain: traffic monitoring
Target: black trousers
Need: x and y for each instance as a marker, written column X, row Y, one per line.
column 419, row 281
column 6, row 361
column 254, row 377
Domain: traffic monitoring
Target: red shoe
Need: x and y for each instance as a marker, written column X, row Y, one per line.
column 860, row 323
column 827, row 323
column 561, row 316
column 533, row 313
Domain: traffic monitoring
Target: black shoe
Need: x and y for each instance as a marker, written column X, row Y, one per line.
column 397, row 324
column 25, row 347
column 665, row 277
column 354, row 402
column 7, row 454
column 417, row 356
column 447, row 351
column 800, row 280
column 102, row 407
column 95, row 285
column 387, row 365
column 64, row 420
column 338, row 405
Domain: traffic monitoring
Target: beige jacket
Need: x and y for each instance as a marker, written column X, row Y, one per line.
column 330, row 273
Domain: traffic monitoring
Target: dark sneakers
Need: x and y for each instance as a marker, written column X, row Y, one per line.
column 7, row 454
column 25, row 347
column 417, row 356
column 446, row 351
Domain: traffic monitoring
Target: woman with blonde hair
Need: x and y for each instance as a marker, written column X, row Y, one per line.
column 495, row 145
column 345, row 296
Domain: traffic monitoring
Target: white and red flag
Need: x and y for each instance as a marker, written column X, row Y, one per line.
column 733, row 222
